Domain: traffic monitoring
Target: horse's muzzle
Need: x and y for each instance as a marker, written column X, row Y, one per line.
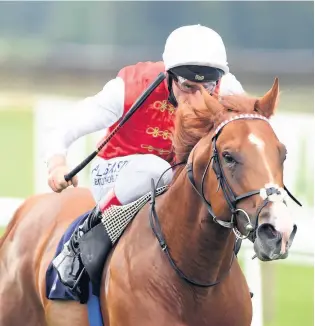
column 269, row 241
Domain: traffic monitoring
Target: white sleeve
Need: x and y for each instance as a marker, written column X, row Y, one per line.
column 230, row 85
column 89, row 115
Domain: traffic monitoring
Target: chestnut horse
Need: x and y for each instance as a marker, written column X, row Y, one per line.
column 175, row 263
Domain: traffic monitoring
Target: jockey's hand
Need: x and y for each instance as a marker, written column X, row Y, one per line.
column 57, row 169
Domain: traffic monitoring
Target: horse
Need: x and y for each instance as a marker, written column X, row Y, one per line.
column 174, row 264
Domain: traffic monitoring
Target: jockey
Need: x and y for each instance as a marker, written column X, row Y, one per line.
column 142, row 148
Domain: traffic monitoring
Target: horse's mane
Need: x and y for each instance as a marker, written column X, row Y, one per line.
column 191, row 124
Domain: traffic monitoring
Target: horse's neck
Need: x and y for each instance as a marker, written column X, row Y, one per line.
column 201, row 248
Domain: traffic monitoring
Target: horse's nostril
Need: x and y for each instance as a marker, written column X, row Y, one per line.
column 270, row 230
column 267, row 230
column 268, row 242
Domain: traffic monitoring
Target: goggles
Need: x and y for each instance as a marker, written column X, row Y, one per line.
column 188, row 87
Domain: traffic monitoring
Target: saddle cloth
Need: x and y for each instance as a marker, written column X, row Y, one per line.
column 55, row 290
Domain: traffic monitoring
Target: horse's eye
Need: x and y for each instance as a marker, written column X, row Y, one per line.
column 228, row 158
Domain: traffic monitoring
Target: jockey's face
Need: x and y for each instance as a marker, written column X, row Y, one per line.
column 184, row 88
column 193, row 98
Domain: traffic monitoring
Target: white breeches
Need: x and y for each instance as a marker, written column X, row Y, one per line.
column 130, row 176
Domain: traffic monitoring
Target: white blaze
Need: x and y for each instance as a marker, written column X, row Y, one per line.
column 256, row 141
column 280, row 214
column 260, row 144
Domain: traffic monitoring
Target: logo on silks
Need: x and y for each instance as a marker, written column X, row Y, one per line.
column 198, row 77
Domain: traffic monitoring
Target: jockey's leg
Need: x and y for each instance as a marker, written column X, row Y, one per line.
column 132, row 182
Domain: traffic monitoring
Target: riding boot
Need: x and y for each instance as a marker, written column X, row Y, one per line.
column 68, row 263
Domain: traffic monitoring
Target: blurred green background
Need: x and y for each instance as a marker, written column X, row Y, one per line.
column 73, row 48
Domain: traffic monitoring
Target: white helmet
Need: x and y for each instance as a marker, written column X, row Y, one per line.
column 195, row 45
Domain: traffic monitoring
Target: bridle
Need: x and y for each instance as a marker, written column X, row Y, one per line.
column 269, row 193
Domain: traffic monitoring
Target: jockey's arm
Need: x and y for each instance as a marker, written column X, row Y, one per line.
column 91, row 114
column 230, row 85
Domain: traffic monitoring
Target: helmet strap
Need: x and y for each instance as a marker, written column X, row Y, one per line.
column 171, row 96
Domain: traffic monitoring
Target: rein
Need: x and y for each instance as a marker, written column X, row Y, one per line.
column 268, row 193
column 156, row 228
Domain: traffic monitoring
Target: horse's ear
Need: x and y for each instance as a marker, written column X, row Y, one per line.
column 268, row 103
column 211, row 101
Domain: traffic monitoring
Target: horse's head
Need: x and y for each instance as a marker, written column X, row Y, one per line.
column 237, row 167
